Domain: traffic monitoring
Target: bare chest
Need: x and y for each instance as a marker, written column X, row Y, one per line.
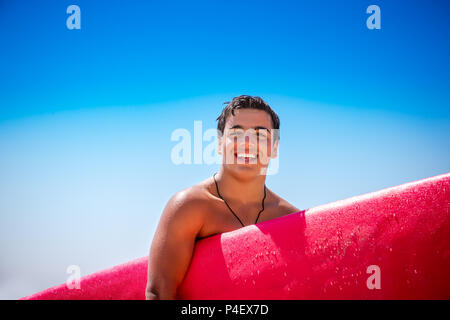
column 220, row 219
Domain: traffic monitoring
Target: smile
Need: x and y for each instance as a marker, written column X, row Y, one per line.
column 246, row 155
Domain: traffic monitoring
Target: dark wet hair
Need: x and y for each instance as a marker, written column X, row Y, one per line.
column 247, row 102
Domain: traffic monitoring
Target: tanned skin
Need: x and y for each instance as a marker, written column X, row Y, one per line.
column 198, row 212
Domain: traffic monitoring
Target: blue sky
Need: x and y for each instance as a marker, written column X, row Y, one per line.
column 86, row 115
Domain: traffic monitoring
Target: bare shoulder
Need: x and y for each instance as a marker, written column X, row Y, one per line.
column 283, row 205
column 186, row 206
column 186, row 199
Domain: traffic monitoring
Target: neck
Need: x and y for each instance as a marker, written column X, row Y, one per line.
column 238, row 190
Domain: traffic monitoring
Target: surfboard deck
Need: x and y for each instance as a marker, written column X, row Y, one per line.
column 389, row 244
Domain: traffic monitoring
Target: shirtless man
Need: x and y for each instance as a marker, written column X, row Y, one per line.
column 234, row 197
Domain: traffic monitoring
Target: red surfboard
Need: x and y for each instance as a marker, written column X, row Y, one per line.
column 389, row 244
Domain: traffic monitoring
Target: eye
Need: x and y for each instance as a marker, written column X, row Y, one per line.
column 262, row 135
column 236, row 133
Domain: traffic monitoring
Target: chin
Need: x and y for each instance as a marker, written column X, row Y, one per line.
column 245, row 171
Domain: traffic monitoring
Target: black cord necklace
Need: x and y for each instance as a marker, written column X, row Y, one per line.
column 214, row 176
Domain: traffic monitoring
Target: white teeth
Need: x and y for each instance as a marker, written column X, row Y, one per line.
column 246, row 155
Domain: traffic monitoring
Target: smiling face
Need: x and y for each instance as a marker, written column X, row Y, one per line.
column 247, row 143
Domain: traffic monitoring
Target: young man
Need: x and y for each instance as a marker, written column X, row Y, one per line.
column 234, row 197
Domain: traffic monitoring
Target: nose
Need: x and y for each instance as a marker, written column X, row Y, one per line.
column 248, row 144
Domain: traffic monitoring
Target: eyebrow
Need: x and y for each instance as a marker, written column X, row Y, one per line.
column 256, row 128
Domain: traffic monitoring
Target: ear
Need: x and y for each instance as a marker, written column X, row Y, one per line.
column 274, row 151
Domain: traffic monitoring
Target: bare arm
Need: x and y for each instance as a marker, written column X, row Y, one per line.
column 172, row 247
